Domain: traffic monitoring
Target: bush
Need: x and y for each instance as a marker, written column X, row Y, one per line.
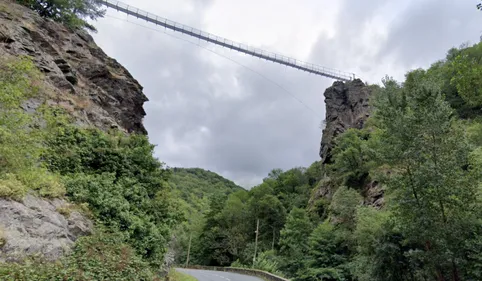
column 121, row 181
column 21, row 143
column 351, row 158
column 103, row 256
column 11, row 187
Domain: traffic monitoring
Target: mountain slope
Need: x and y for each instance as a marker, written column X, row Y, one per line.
column 192, row 183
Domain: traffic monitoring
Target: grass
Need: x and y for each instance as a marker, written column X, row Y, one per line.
column 12, row 188
column 66, row 209
column 179, row 276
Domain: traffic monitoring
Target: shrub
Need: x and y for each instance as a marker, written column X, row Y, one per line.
column 11, row 187
column 121, row 181
column 102, row 256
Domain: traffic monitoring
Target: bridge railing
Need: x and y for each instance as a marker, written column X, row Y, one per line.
column 270, row 56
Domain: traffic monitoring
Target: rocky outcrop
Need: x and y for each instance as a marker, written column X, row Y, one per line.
column 39, row 227
column 347, row 106
column 93, row 87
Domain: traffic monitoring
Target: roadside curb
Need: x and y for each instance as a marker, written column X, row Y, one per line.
column 247, row 271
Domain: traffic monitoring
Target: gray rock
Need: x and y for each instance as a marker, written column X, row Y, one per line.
column 35, row 227
column 347, row 106
column 74, row 66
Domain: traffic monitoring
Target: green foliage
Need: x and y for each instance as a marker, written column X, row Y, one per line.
column 120, row 180
column 344, row 205
column 11, row 187
column 351, row 158
column 422, row 149
column 175, row 275
column 228, row 232
column 468, row 70
column 194, row 185
column 328, row 255
column 434, row 194
column 294, row 241
column 20, row 138
column 103, row 256
column 381, row 250
column 72, row 13
column 115, row 175
column 265, row 261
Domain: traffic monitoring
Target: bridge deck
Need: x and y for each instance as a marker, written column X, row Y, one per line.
column 273, row 57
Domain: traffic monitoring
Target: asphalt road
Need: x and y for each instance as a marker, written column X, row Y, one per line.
column 208, row 275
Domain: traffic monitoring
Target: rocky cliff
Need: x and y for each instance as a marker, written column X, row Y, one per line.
column 39, row 227
column 347, row 106
column 93, row 87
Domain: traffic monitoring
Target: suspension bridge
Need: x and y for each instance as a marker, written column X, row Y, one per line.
column 220, row 41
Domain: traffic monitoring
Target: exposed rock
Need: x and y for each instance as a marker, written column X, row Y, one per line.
column 35, row 227
column 373, row 195
column 347, row 106
column 169, row 257
column 102, row 91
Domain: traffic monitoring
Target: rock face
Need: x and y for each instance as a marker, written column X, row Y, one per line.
column 93, row 87
column 35, row 227
column 347, row 106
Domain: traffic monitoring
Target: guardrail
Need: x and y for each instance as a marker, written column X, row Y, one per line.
column 247, row 271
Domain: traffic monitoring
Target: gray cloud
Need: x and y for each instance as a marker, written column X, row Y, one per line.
column 206, row 111
column 426, row 30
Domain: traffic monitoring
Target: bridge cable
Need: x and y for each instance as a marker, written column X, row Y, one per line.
column 225, row 57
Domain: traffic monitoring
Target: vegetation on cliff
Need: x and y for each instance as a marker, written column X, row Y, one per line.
column 72, row 13
column 421, row 145
column 115, row 175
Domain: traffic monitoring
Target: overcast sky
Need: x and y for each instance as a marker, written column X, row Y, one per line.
column 239, row 116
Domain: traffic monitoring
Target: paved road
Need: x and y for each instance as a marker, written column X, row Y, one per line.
column 208, row 275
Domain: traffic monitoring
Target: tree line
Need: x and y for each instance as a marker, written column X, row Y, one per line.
column 422, row 146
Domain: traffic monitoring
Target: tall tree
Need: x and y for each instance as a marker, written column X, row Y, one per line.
column 294, row 241
column 431, row 184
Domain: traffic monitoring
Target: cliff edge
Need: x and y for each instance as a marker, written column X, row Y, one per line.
column 93, row 87
column 347, row 106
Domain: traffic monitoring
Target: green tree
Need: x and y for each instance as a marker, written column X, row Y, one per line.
column 381, row 251
column 73, row 13
column 271, row 214
column 294, row 241
column 120, row 180
column 351, row 158
column 433, row 192
column 344, row 205
column 468, row 70
column 235, row 218
column 328, row 255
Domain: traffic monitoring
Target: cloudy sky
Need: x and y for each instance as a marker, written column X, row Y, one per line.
column 241, row 117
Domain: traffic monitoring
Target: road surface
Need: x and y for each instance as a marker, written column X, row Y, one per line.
column 208, row 275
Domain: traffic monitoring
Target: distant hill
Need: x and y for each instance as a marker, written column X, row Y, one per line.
column 196, row 183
